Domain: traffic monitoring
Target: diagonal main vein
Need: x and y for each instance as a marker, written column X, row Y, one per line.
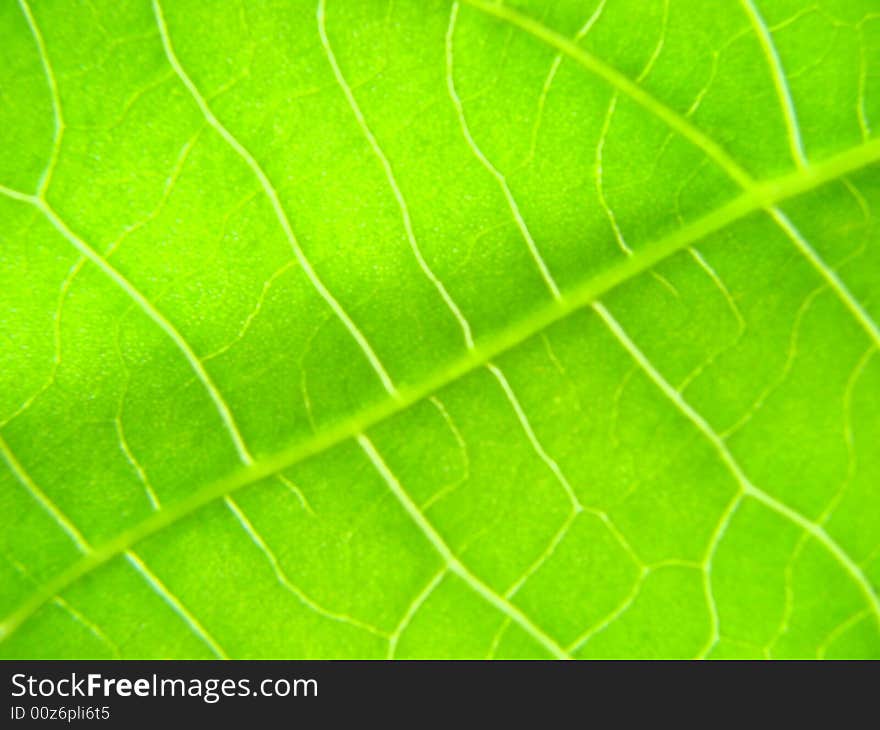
column 759, row 198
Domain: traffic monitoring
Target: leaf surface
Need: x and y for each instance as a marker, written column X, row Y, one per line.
column 439, row 329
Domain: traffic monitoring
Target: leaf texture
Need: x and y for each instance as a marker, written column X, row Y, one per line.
column 418, row 328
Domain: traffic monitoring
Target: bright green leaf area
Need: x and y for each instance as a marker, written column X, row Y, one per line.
column 419, row 328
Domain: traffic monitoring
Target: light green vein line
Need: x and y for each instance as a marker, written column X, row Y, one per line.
column 18, row 195
column 625, row 604
column 746, row 486
column 706, row 568
column 619, row 81
column 135, row 464
column 526, row 425
column 598, row 168
column 455, row 565
column 53, row 94
column 827, row 273
column 174, row 602
column 658, row 46
column 839, row 631
column 551, row 75
column 413, row 609
column 783, row 91
column 275, row 201
column 598, row 174
column 861, row 111
column 285, row 581
column 47, row 504
column 496, row 640
column 87, row 624
column 544, row 555
column 253, row 314
column 392, row 180
column 494, row 171
column 75, row 615
column 154, row 314
column 763, row 196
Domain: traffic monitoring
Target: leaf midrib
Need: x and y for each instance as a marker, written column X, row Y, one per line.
column 760, row 196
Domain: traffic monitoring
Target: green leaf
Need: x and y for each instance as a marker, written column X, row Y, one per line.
column 360, row 328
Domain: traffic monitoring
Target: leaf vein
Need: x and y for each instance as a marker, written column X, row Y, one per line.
column 392, row 180
column 275, row 201
column 452, row 561
column 176, row 604
column 543, row 269
column 746, row 487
